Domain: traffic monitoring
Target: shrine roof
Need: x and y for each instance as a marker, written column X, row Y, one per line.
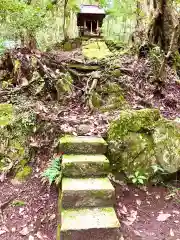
column 91, row 9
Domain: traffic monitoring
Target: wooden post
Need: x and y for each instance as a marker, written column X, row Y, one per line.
column 91, row 27
column 98, row 27
column 84, row 25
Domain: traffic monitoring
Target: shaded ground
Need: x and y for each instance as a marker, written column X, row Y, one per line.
column 138, row 210
column 35, row 218
column 148, row 214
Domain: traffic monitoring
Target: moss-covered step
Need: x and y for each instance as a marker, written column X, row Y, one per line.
column 84, row 165
column 87, row 192
column 82, row 145
column 90, row 223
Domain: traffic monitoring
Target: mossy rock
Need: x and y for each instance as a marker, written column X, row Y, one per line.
column 23, row 173
column 96, row 50
column 141, row 139
column 131, row 146
column 133, row 121
column 16, row 127
column 64, row 85
column 67, row 46
column 116, row 73
column 96, row 100
column 133, row 152
column 110, row 87
column 167, row 140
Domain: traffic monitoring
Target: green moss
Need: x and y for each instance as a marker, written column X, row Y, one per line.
column 96, row 50
column 67, row 46
column 167, row 145
column 134, row 121
column 84, row 67
column 18, row 203
column 110, row 87
column 6, row 114
column 116, row 73
column 96, row 100
column 24, row 173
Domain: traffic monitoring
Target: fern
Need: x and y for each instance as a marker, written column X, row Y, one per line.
column 53, row 172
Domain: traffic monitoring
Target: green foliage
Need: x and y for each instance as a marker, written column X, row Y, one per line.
column 53, row 172
column 138, row 177
column 20, row 19
column 156, row 168
column 18, row 203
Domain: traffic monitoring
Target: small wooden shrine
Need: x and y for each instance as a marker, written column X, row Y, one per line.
column 89, row 20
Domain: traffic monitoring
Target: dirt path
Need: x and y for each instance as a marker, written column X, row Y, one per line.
column 138, row 211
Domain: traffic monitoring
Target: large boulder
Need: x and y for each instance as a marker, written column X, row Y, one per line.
column 16, row 125
column 167, row 145
column 142, row 141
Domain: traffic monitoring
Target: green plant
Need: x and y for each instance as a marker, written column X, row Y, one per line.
column 138, row 177
column 18, row 203
column 53, row 172
column 156, row 168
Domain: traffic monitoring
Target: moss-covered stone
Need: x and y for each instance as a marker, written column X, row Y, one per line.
column 96, row 50
column 141, row 139
column 64, row 85
column 84, row 165
column 133, row 121
column 67, row 46
column 24, row 173
column 89, row 218
column 96, row 100
column 82, row 145
column 167, row 145
column 116, row 73
column 15, row 129
column 112, row 97
column 87, row 192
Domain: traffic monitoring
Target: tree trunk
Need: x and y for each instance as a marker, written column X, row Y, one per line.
column 65, row 20
column 162, row 25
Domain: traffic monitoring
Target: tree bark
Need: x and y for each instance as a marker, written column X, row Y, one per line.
column 162, row 25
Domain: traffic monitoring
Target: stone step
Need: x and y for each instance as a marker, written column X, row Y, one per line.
column 84, row 165
column 89, row 223
column 82, row 145
column 87, row 192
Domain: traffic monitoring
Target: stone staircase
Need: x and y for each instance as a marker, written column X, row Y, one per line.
column 87, row 196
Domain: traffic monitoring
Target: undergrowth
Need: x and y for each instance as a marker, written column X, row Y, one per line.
column 53, row 173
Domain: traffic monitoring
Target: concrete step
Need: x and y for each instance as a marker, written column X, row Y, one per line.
column 87, row 192
column 89, row 223
column 84, row 165
column 82, row 145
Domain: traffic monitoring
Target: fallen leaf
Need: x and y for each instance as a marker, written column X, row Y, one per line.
column 176, row 212
column 131, row 218
column 138, row 201
column 39, row 235
column 124, row 210
column 52, row 217
column 24, row 231
column 13, row 229
column 31, row 238
column 163, row 217
column 171, row 233
column 2, row 232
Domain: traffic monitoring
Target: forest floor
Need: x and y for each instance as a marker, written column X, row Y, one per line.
column 28, row 210
column 147, row 213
